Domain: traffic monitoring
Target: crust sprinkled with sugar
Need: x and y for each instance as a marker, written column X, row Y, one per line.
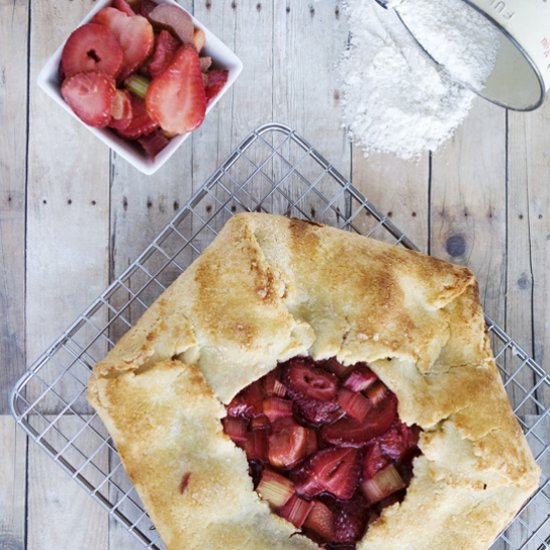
column 270, row 288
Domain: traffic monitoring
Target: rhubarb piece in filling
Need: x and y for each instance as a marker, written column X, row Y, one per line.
column 325, row 446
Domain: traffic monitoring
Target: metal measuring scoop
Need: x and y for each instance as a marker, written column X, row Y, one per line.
column 521, row 74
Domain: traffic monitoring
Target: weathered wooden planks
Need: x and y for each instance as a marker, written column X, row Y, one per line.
column 283, row 45
column 60, row 513
column 13, row 175
column 13, row 453
column 68, row 197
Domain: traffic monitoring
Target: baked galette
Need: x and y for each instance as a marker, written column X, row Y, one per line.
column 304, row 387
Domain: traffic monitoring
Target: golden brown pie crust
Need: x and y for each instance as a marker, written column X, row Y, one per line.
column 270, row 288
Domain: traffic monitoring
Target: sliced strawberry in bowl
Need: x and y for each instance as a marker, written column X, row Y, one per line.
column 90, row 95
column 288, row 443
column 349, row 432
column 215, row 81
column 91, row 47
column 134, row 34
column 141, row 124
column 334, row 470
column 121, row 112
column 176, row 98
column 165, row 50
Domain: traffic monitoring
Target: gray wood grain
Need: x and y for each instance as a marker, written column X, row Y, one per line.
column 67, row 200
column 12, row 485
column 86, row 214
column 13, row 176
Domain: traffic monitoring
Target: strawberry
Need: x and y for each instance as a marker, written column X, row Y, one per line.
column 141, row 124
column 91, row 47
column 166, row 48
column 349, row 432
column 174, row 19
column 176, row 99
column 133, row 32
column 400, row 441
column 319, row 412
column 350, row 521
column 247, row 402
column 374, row 460
column 235, row 428
column 123, row 6
column 303, row 380
column 90, row 95
column 215, row 82
column 334, row 470
column 121, row 111
column 334, row 366
column 287, row 443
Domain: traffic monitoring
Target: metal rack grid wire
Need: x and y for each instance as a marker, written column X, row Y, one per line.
column 272, row 170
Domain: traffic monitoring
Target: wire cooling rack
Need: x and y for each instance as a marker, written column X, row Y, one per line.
column 273, row 170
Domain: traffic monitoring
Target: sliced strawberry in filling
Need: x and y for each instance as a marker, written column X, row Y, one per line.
column 303, row 380
column 352, row 433
column 333, row 470
column 247, row 402
column 325, row 446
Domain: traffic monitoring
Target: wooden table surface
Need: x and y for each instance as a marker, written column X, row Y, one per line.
column 73, row 215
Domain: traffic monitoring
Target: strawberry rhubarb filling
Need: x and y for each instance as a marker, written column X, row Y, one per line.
column 325, row 446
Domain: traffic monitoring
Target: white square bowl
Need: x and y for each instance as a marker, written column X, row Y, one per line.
column 222, row 57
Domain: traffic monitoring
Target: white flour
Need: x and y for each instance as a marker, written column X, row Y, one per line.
column 396, row 99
